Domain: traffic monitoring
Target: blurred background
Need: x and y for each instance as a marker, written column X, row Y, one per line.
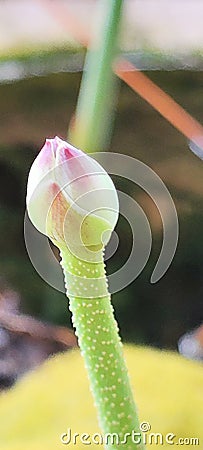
column 41, row 64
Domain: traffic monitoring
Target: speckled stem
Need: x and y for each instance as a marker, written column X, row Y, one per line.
column 101, row 348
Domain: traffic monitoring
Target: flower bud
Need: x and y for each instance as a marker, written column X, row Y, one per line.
column 71, row 198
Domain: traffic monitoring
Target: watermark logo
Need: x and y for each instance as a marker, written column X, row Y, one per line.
column 143, row 435
column 47, row 265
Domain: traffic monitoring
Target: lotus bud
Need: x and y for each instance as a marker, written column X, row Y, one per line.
column 71, row 198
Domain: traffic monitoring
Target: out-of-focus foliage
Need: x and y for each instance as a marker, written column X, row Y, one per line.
column 43, row 405
column 34, row 109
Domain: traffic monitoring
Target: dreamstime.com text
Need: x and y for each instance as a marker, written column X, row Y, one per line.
column 136, row 437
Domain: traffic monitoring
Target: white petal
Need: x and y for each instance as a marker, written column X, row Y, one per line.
column 87, row 184
column 40, row 203
column 43, row 164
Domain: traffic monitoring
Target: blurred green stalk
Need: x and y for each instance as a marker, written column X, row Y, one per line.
column 94, row 112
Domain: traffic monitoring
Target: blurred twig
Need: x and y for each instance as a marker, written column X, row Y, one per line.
column 160, row 101
column 19, row 323
column 129, row 73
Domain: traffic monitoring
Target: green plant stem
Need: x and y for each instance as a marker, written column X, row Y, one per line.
column 101, row 348
column 86, row 285
column 94, row 113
